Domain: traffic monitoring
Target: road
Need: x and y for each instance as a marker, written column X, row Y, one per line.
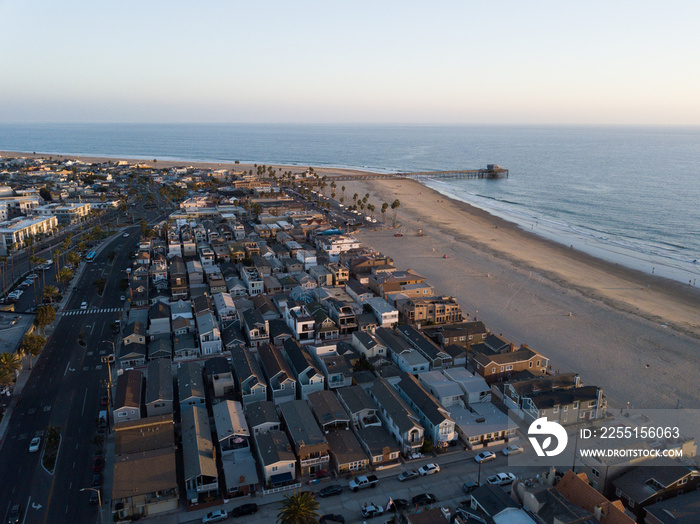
column 64, row 390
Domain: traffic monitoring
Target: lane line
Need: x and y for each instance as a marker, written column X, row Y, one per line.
column 84, row 399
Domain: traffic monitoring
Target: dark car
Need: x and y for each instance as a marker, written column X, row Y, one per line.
column 245, row 509
column 104, row 399
column 424, row 499
column 98, row 464
column 15, row 514
column 335, row 489
column 96, row 480
column 332, row 518
column 94, row 497
column 399, row 504
column 469, row 486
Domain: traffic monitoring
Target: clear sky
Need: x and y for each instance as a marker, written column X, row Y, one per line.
column 611, row 62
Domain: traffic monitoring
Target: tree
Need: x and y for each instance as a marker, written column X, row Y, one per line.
column 45, row 194
column 299, row 508
column 74, row 259
column 64, row 276
column 44, row 316
column 50, row 292
column 394, row 206
column 32, row 345
column 10, row 364
column 385, row 206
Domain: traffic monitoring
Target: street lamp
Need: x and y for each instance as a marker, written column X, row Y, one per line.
column 99, row 501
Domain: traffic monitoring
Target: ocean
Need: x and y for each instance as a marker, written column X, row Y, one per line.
column 630, row 195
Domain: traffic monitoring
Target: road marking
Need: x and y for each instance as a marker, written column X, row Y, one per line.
column 84, row 399
column 66, row 371
column 47, row 408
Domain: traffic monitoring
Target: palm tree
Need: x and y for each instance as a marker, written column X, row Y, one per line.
column 64, row 276
column 50, row 292
column 74, row 259
column 299, row 508
column 10, row 364
column 385, row 206
column 394, row 206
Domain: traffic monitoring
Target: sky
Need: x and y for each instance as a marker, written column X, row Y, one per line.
column 452, row 62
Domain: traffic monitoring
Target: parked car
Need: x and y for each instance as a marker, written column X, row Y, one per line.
column 485, row 456
column 408, row 475
column 424, row 499
column 96, row 480
column 399, row 504
column 371, row 510
column 469, row 486
column 429, row 469
column 94, row 497
column 35, row 444
column 512, row 450
column 245, row 509
column 83, row 305
column 332, row 518
column 328, row 491
column 215, row 516
column 501, row 479
column 98, row 464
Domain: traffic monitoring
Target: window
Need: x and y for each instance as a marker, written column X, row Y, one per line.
column 556, row 409
column 566, row 408
column 493, row 370
column 274, row 468
column 683, row 481
column 501, row 369
column 538, row 363
column 291, row 465
column 530, row 364
column 576, row 404
column 595, row 472
column 509, row 367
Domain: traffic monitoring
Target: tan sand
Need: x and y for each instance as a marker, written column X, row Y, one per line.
column 587, row 315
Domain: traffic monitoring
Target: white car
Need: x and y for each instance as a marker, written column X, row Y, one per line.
column 429, row 469
column 83, row 305
column 215, row 516
column 35, row 444
column 485, row 456
column 512, row 450
column 501, row 479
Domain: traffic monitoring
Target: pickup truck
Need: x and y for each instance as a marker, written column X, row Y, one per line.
column 362, row 482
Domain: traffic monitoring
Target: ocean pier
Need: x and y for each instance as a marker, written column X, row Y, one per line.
column 492, row 171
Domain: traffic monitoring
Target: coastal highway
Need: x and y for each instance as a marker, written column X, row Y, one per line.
column 64, row 390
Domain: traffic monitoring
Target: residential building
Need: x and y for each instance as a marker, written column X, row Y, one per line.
column 386, row 315
column 209, row 334
column 262, row 417
column 144, row 480
column 307, row 375
column 255, row 327
column 483, row 425
column 159, row 387
column 250, row 381
column 200, row 472
column 239, row 468
column 127, row 399
column 190, row 386
column 428, row 310
column 436, row 420
column 219, row 376
column 276, row 459
column 437, row 357
column 397, row 416
column 328, row 411
column 463, row 334
column 14, row 233
column 499, row 366
column 576, row 489
column 359, row 405
column 280, row 380
column 474, row 387
column 347, row 454
column 445, row 391
column 306, row 437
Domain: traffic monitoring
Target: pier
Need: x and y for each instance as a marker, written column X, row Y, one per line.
column 492, row 171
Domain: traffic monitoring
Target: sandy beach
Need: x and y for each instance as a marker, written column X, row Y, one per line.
column 634, row 334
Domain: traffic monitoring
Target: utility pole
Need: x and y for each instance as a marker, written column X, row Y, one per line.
column 99, row 501
column 109, row 360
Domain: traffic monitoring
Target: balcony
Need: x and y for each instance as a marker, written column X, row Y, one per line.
column 323, row 459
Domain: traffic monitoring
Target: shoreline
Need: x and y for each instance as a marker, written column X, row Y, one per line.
column 605, row 321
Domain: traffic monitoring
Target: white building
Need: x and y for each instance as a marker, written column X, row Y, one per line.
column 14, row 233
column 65, row 213
column 386, row 315
column 335, row 245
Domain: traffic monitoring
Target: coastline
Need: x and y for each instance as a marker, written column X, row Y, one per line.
column 605, row 321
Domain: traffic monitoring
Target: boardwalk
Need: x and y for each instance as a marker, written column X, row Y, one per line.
column 492, row 171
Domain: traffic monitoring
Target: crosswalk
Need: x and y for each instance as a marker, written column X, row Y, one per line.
column 91, row 310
